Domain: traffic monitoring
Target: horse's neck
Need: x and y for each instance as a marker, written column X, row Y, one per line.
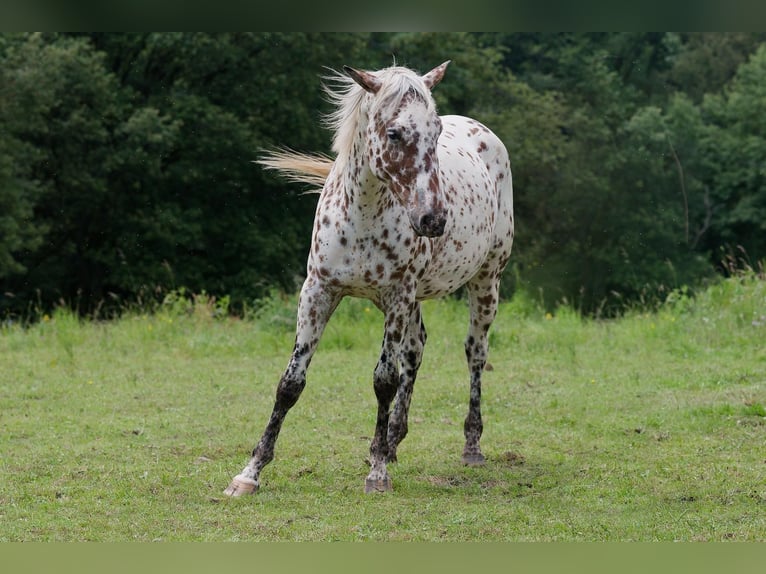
column 357, row 182
column 354, row 192
column 351, row 199
column 361, row 186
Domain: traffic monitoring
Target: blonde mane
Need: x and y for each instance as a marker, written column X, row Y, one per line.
column 351, row 106
column 349, row 100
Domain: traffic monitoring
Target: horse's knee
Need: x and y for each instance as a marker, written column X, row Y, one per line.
column 471, row 346
column 384, row 391
column 385, row 379
column 289, row 390
column 476, row 347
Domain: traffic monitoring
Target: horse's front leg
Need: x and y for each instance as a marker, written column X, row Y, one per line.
column 386, row 381
column 315, row 307
column 413, row 344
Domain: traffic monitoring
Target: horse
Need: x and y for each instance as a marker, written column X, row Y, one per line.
column 412, row 207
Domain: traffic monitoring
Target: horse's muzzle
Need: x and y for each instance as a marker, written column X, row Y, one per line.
column 431, row 224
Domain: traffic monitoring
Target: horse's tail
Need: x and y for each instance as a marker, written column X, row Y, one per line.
column 312, row 169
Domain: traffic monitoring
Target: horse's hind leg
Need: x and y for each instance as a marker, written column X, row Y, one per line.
column 483, row 299
column 314, row 310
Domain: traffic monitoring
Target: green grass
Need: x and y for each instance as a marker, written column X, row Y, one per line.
column 649, row 427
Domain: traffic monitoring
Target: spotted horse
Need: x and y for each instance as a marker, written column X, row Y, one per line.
column 412, row 207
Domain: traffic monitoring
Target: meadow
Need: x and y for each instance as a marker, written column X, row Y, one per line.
column 648, row 427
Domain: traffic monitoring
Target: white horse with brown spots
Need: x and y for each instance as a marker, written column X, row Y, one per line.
column 412, row 207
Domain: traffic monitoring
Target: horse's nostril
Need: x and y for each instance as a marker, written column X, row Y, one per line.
column 432, row 225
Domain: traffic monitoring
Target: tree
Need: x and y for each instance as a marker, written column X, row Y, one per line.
column 214, row 220
column 64, row 105
column 19, row 232
column 735, row 148
column 704, row 62
column 139, row 176
column 126, row 159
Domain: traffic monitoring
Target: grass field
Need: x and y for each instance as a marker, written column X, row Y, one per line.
column 648, row 427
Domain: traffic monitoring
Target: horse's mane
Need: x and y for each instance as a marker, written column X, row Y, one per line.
column 349, row 100
column 350, row 105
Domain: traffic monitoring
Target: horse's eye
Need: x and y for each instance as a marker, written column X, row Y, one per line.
column 393, row 134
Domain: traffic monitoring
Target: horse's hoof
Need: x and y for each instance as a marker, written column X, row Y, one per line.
column 378, row 485
column 474, row 459
column 241, row 485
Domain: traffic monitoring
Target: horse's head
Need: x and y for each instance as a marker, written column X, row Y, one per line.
column 402, row 132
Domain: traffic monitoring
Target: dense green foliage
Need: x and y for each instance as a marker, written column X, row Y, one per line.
column 125, row 159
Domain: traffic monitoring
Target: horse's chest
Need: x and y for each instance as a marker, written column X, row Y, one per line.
column 362, row 259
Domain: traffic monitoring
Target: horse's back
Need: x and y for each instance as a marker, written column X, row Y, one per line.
column 476, row 175
column 487, row 156
column 472, row 137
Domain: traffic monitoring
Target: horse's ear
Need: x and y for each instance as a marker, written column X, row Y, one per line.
column 365, row 79
column 435, row 76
